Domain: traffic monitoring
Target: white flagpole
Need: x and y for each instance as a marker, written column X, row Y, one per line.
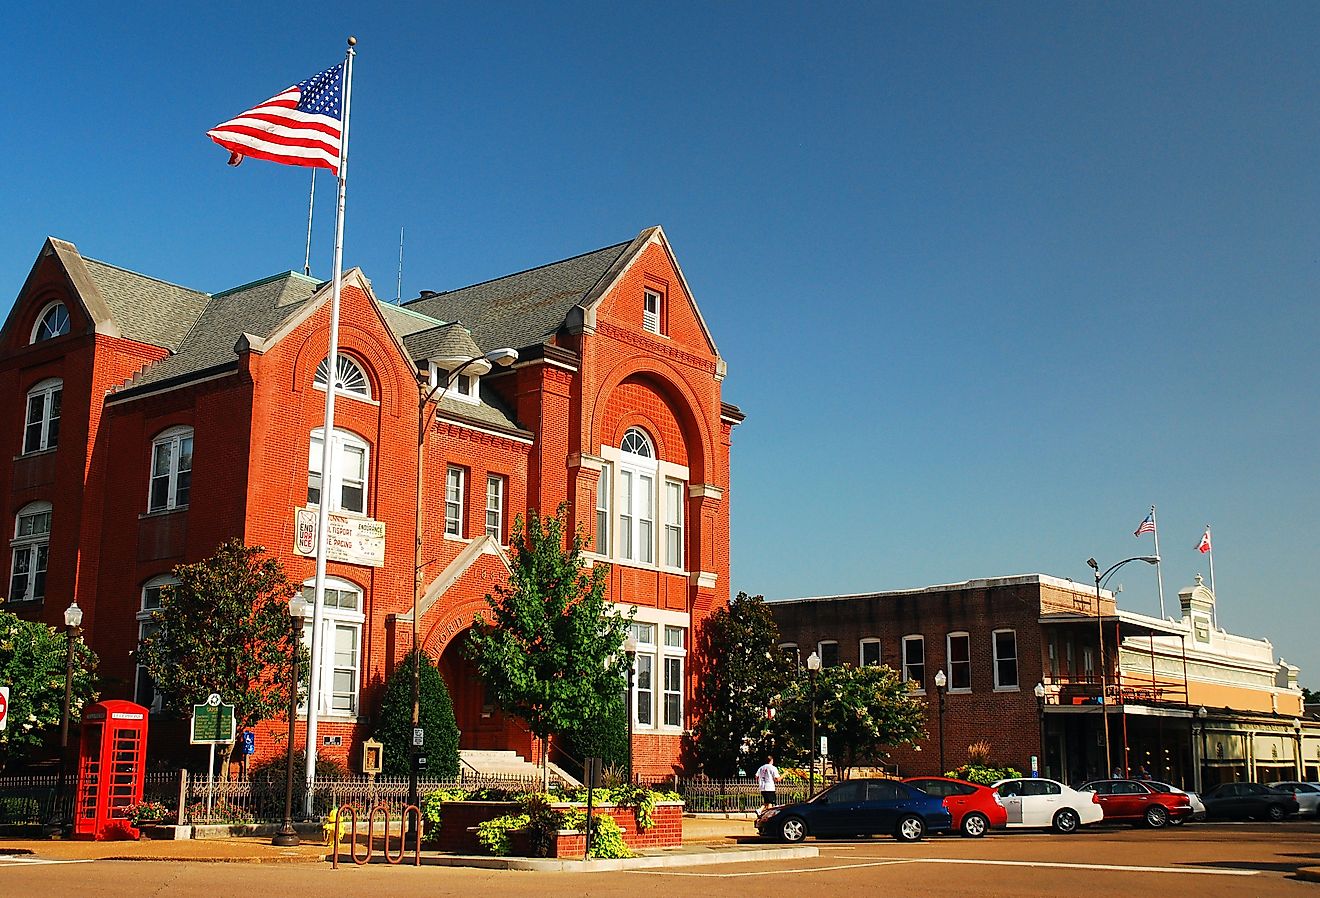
column 311, row 201
column 1214, row 610
column 327, row 447
column 1159, row 575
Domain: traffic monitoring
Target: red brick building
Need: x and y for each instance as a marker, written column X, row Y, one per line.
column 150, row 422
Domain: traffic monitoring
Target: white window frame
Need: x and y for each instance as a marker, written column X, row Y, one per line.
column 342, row 443
column 949, row 662
column 652, row 631
column 785, row 647
column 994, row 648
column 861, row 652
column 141, row 680
column 33, row 548
column 48, row 394
column 177, row 494
column 639, row 491
column 46, row 311
column 673, row 658
column 637, row 501
column 604, row 488
column 652, row 308
column 455, row 498
column 643, row 634
column 1088, row 661
column 907, row 665
column 820, row 653
column 351, row 378
column 674, row 491
column 495, row 489
column 465, row 388
column 333, row 619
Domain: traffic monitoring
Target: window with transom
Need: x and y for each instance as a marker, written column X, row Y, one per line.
column 347, row 486
column 41, row 429
column 31, row 550
column 341, row 646
column 171, row 470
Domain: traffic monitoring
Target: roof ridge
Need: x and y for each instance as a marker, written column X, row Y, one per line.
column 267, row 280
column 413, row 312
column 517, row 273
column 145, row 277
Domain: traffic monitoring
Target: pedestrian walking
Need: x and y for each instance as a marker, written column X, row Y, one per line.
column 766, row 777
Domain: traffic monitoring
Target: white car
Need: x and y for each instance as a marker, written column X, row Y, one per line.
column 1308, row 795
column 1038, row 802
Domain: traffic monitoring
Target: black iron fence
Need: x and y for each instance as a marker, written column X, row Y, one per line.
column 704, row 795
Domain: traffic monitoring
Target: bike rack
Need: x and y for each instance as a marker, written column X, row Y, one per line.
column 383, row 812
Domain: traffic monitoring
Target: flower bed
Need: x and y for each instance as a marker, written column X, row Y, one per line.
column 458, row 832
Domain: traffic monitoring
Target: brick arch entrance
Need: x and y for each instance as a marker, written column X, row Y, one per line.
column 480, row 724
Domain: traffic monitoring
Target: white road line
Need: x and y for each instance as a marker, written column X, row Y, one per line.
column 1119, row 868
column 664, row 872
column 19, row 860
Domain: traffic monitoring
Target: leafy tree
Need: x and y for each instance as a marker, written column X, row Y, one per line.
column 435, row 715
column 225, row 628
column 862, row 710
column 32, row 665
column 551, row 654
column 744, row 670
column 604, row 735
column 1310, row 696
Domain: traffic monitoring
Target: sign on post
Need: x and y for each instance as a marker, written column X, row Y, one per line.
column 419, row 737
column 249, row 742
column 824, row 746
column 213, row 722
column 4, row 707
column 350, row 539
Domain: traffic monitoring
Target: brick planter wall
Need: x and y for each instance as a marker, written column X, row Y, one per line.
column 459, row 817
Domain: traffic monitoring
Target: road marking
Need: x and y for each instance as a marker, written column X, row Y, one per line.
column 18, row 860
column 1118, row 868
column 663, row 872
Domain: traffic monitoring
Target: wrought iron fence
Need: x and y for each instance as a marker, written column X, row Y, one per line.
column 39, row 800
column 704, row 795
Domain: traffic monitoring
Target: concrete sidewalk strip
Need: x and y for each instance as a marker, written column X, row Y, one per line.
column 697, row 856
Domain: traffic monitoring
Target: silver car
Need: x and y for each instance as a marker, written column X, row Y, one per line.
column 1308, row 795
column 1198, row 806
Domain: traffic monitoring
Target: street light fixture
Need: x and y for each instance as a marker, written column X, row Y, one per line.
column 1104, row 665
column 630, row 649
column 813, row 668
column 940, row 682
column 299, row 608
column 1201, row 714
column 1039, row 692
column 73, row 618
column 428, row 404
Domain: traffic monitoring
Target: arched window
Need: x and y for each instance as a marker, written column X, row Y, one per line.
column 171, row 469
column 31, row 550
column 636, row 442
column 52, row 322
column 347, row 488
column 637, row 497
column 341, row 652
column 144, row 690
column 41, row 429
column 349, row 379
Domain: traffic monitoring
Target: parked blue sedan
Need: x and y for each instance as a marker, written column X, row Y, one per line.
column 860, row 807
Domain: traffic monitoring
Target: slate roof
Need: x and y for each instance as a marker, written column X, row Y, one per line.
column 406, row 321
column 523, row 309
column 449, row 341
column 258, row 308
column 146, row 309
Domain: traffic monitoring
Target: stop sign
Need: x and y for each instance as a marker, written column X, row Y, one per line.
column 4, row 706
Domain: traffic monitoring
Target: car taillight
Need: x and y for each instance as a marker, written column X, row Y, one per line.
column 1095, row 798
column 999, row 801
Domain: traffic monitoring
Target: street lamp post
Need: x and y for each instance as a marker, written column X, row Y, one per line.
column 941, row 681
column 287, row 837
column 73, row 618
column 813, row 668
column 1201, row 715
column 428, row 404
column 1104, row 664
column 1039, row 692
column 630, row 649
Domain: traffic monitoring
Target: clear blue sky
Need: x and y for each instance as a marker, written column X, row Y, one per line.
column 991, row 279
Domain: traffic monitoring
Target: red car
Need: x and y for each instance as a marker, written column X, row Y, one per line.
column 974, row 808
column 1136, row 802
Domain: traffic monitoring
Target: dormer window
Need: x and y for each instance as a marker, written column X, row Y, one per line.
column 464, row 387
column 350, row 379
column 52, row 322
column 651, row 311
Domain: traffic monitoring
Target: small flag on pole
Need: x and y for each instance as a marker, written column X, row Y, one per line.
column 302, row 125
column 1204, row 545
column 1147, row 526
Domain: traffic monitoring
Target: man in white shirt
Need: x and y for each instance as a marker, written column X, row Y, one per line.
column 766, row 777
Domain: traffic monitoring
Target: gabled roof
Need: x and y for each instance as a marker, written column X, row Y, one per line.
column 146, row 309
column 449, row 341
column 527, row 308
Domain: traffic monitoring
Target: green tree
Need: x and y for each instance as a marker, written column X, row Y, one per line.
column 32, row 664
column 435, row 715
column 225, row 628
column 743, row 670
column 862, row 710
column 603, row 735
column 1310, row 697
column 551, row 653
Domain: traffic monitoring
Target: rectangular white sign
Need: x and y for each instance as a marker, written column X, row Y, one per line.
column 352, row 540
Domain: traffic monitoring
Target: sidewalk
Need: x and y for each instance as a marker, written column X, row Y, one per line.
column 706, row 839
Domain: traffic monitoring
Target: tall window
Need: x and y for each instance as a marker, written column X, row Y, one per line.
column 171, row 469
column 464, row 387
column 31, row 548
column 644, row 674
column 1088, row 662
column 870, row 652
column 637, row 498
column 914, row 661
column 603, row 512
column 341, row 648
column 347, row 488
column 1052, row 655
column 42, row 428
column 791, row 655
column 674, row 655
column 1006, row 670
column 673, row 523
column 495, row 507
column 144, row 691
column 651, row 311
column 829, row 653
column 959, row 646
column 454, row 502
column 661, row 655
column 52, row 322
column 350, row 379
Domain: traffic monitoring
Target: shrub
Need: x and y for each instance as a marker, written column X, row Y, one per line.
column 431, row 808
column 976, row 773
column 435, row 717
column 494, row 834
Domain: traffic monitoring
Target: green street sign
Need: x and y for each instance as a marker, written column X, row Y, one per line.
column 213, row 723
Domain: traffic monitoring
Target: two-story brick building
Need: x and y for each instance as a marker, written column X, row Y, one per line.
column 150, row 422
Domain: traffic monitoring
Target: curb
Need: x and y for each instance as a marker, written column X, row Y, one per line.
column 701, row 857
column 1308, row 874
column 285, row 859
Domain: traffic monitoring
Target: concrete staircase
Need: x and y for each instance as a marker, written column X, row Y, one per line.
column 508, row 763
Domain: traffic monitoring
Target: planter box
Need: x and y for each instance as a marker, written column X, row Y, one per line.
column 460, row 818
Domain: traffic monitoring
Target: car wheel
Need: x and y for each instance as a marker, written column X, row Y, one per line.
column 794, row 829
column 1156, row 816
column 1066, row 821
column 910, row 829
column 974, row 825
column 1275, row 813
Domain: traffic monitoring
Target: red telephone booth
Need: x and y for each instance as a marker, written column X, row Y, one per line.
column 112, row 761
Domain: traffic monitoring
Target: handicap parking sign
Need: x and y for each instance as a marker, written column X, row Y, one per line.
column 249, row 742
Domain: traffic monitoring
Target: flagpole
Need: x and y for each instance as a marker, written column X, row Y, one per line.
column 327, row 447
column 1214, row 609
column 311, row 201
column 1159, row 575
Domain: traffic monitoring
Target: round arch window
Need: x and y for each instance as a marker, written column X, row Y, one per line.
column 53, row 322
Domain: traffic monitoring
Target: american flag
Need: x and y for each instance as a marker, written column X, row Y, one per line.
column 300, row 126
column 1147, row 526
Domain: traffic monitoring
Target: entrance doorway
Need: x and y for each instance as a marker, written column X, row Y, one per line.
column 480, row 724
